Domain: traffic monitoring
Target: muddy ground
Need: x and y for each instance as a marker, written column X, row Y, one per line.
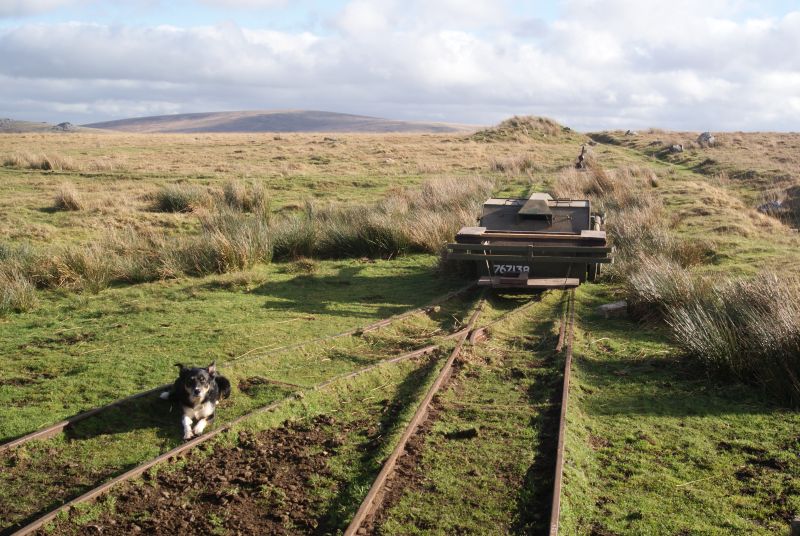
column 260, row 486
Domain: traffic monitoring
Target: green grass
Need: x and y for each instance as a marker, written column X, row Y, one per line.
column 497, row 482
column 126, row 436
column 656, row 447
column 80, row 351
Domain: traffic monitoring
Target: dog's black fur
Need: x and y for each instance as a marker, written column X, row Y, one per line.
column 198, row 391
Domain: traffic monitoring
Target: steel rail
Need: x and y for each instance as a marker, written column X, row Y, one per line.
column 461, row 336
column 371, row 501
column 139, row 469
column 57, row 428
column 569, row 325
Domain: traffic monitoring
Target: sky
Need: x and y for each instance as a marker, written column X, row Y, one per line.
column 590, row 64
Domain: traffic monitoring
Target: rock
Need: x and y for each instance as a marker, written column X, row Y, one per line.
column 706, row 139
column 609, row 310
column 65, row 127
column 676, row 148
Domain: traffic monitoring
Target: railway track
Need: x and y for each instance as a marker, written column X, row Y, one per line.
column 469, row 333
column 363, row 521
column 59, row 427
column 32, row 524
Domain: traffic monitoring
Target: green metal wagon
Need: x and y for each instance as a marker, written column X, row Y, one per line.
column 534, row 243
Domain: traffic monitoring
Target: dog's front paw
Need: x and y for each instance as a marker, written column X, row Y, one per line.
column 188, row 436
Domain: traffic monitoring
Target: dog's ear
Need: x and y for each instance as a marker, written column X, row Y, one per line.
column 212, row 368
column 181, row 366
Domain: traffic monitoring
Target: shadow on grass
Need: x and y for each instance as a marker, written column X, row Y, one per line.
column 535, row 496
column 347, row 291
column 344, row 506
column 640, row 374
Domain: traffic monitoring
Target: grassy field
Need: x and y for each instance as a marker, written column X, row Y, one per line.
column 657, row 444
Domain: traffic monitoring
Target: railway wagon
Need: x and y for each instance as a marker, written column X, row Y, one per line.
column 534, row 243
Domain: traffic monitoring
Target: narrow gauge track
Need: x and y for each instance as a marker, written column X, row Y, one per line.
column 373, row 500
column 59, row 427
column 63, row 426
column 469, row 331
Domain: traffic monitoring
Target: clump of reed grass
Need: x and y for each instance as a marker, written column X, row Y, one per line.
column 406, row 220
column 17, row 292
column 246, row 197
column 81, row 268
column 181, row 198
column 747, row 328
column 68, row 198
column 513, row 165
column 44, row 162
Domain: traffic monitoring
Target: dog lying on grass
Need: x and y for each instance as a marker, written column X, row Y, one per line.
column 198, row 390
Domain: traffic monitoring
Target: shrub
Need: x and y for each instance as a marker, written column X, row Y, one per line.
column 181, row 198
column 67, row 198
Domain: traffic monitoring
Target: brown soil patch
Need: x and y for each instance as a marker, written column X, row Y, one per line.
column 260, row 486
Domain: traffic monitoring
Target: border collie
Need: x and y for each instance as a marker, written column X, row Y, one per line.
column 198, row 390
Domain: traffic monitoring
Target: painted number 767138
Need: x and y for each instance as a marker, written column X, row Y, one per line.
column 503, row 269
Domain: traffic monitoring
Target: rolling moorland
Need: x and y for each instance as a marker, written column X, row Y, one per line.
column 123, row 253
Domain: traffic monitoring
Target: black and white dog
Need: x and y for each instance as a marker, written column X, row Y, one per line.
column 198, row 390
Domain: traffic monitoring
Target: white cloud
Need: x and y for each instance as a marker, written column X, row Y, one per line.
column 244, row 4
column 602, row 64
column 18, row 8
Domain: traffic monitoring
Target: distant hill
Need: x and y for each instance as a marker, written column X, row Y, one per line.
column 15, row 126
column 272, row 121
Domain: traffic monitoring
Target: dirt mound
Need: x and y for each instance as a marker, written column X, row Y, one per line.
column 522, row 128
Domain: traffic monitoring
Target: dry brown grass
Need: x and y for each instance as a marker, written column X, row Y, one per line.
column 68, row 198
column 521, row 128
column 44, row 162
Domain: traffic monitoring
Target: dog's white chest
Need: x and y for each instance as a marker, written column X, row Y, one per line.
column 202, row 411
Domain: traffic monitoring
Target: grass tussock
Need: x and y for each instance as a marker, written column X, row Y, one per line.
column 17, row 292
column 748, row 329
column 181, row 198
column 635, row 217
column 68, row 198
column 513, row 165
column 407, row 220
column 251, row 197
column 521, row 128
column 231, row 238
column 43, row 162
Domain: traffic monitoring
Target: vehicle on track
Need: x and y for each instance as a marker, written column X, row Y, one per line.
column 534, row 243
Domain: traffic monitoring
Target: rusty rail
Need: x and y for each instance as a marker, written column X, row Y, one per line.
column 461, row 336
column 57, row 428
column 139, row 469
column 371, row 500
column 568, row 325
